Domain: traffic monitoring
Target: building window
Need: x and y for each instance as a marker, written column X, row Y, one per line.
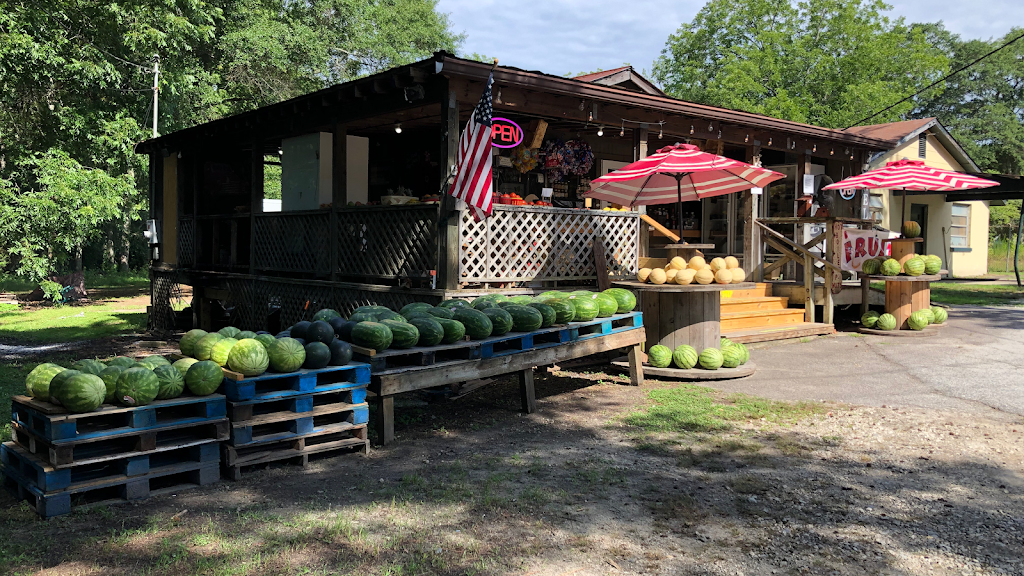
column 875, row 207
column 922, row 145
column 960, row 229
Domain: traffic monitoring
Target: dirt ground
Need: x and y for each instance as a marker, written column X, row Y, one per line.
column 475, row 487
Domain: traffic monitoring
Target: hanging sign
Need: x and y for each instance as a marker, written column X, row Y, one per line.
column 861, row 245
column 847, row 193
column 505, row 133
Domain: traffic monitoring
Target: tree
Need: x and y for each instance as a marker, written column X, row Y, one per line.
column 825, row 62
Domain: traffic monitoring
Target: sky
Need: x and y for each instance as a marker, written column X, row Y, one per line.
column 576, row 36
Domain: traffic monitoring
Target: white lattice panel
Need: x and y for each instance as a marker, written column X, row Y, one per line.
column 519, row 244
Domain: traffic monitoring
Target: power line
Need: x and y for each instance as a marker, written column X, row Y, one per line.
column 943, row 79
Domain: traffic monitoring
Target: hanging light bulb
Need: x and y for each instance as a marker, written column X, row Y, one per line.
column 661, row 133
column 719, row 134
column 622, row 130
column 280, row 152
column 814, row 148
column 746, row 138
column 600, row 131
column 691, row 128
column 769, row 141
column 711, row 127
column 851, row 155
column 832, row 152
column 590, row 116
column 398, row 128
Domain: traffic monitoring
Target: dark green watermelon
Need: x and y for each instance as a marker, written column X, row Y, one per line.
column 345, row 332
column 337, row 324
column 501, row 321
column 452, row 304
column 89, row 366
column 326, row 315
column 137, row 386
column 413, row 307
column 404, row 335
column 524, row 318
column 547, row 313
column 341, row 352
column 483, row 304
column 565, row 312
column 478, row 325
column 318, row 355
column 441, row 313
column 123, row 361
column 431, row 332
column 366, row 316
column 58, row 382
column 298, row 330
column 373, row 309
column 372, row 335
column 320, row 331
column 453, row 330
column 203, row 378
column 229, row 332
column 390, row 315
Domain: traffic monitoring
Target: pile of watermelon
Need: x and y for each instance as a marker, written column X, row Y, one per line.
column 729, row 354
column 916, row 266
column 88, row 384
column 919, row 319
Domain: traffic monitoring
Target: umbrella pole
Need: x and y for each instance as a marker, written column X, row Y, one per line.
column 679, row 206
column 903, row 213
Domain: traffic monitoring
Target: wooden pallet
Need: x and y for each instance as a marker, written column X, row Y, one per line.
column 605, row 326
column 64, row 453
column 54, row 423
column 305, row 402
column 111, row 490
column 300, row 381
column 417, row 356
column 48, row 478
column 328, row 441
column 286, row 425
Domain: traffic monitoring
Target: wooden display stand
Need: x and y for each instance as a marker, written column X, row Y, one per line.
column 905, row 295
column 686, row 251
column 677, row 314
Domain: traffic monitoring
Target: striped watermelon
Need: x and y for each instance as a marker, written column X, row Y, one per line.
column 220, row 351
column 453, row 330
column 137, row 387
column 204, row 378
column 431, row 332
column 37, row 383
column 625, row 299
column 710, row 359
column 88, row 366
column 547, row 313
column 184, row 364
column 83, row 393
column 732, row 356
column 188, row 341
column 286, row 355
column 524, row 318
column 939, row 314
column 684, row 356
column 58, row 382
column 659, row 356
column 565, row 312
column 204, row 347
column 110, row 375
column 606, row 305
column 249, row 357
column 229, row 332
column 171, row 382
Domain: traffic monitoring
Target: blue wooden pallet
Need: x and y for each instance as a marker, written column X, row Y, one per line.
column 392, row 359
column 56, row 424
column 170, row 478
column 510, row 343
column 301, row 381
column 67, row 453
column 323, row 441
column 553, row 336
column 301, row 402
column 286, row 425
column 605, row 326
column 44, row 476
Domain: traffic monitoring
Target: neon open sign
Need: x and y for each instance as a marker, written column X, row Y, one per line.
column 505, row 133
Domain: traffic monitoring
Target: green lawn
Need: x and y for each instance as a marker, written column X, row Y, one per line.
column 984, row 294
column 93, row 280
column 71, row 323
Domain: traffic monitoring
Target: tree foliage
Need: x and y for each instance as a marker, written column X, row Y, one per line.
column 825, row 62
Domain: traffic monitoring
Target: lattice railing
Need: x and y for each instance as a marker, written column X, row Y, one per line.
column 387, row 243
column 165, row 292
column 292, row 242
column 520, row 244
column 186, row 242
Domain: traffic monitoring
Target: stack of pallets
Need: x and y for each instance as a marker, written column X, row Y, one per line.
column 58, row 461
column 289, row 417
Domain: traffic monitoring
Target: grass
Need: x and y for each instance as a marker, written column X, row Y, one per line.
column 983, row 294
column 12, row 382
column 71, row 323
column 93, row 280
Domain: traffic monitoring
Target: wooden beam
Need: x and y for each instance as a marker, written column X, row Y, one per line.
column 449, row 218
column 657, row 226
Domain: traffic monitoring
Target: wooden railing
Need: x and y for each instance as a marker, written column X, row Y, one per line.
column 812, row 265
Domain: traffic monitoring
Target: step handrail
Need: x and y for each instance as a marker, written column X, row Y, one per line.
column 797, row 247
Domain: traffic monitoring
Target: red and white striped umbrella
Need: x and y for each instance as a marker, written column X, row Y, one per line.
column 913, row 175
column 675, row 174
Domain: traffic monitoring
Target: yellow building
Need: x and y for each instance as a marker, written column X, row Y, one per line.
column 957, row 232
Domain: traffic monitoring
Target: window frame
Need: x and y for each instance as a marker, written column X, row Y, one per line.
column 954, row 227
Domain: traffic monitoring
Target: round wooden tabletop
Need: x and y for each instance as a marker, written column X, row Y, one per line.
column 921, row 278
column 884, row 240
column 694, row 246
column 673, row 287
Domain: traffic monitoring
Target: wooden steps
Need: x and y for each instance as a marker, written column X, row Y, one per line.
column 761, row 290
column 754, row 304
column 732, row 321
column 785, row 332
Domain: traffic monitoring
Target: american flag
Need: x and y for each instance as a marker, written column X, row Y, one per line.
column 473, row 178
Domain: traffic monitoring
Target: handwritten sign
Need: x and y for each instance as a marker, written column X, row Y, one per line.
column 861, row 245
column 505, row 133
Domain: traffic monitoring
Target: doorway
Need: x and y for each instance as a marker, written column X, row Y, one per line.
column 919, row 214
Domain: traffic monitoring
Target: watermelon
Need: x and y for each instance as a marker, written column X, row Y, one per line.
column 565, row 312
column 710, row 359
column 187, row 345
column 153, row 361
column 341, row 352
column 939, row 314
column 249, row 357
column 403, row 334
column 606, row 305
column 58, row 382
column 37, row 383
column 184, row 364
column 265, row 339
column 283, row 334
column 723, row 342
column 659, row 356
column 83, row 393
column 918, row 320
column 451, row 304
column 552, row 294
column 122, row 361
column 320, row 331
column 927, row 312
column 478, row 325
column 372, row 335
column 932, row 264
column 286, row 355
column 523, row 299
column 870, row 267
column 547, row 313
column 229, row 332
column 506, row 304
column 732, row 356
column 582, row 293
column 625, row 299
column 345, row 333
column 203, row 378
column 745, row 351
column 221, row 350
column 911, row 229
column 110, row 375
column 137, row 387
column 418, row 314
column 414, row 306
column 454, row 330
column 298, row 330
column 431, row 332
column 914, row 266
column 326, row 314
column 372, row 308
column 337, row 323
column 389, row 315
column 684, row 356
column 886, row 322
column 204, row 347
column 245, row 335
column 524, row 318
column 171, row 382
column 318, row 355
column 89, row 366
column 482, row 304
column 501, row 321
column 300, row 340
column 441, row 313
column 869, row 319
column 364, row 317
column 585, row 306
column 890, row 267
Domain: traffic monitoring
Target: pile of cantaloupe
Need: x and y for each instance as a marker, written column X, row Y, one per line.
column 721, row 270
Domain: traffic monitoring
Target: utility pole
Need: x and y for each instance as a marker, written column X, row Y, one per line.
column 156, row 89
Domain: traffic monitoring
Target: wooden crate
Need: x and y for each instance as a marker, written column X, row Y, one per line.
column 330, row 440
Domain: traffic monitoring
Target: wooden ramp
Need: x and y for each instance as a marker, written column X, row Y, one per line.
column 769, row 333
column 756, row 315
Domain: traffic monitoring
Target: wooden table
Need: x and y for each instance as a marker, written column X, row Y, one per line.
column 687, row 251
column 676, row 314
column 905, row 295
column 390, row 383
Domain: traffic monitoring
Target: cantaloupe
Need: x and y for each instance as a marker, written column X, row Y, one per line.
column 704, row 276
column 717, row 264
column 677, row 263
column 697, row 263
column 723, row 276
column 658, row 276
column 670, row 274
column 643, row 274
column 738, row 275
column 685, row 276
column 731, row 262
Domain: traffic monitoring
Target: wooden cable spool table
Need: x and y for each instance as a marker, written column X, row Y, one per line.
column 677, row 314
column 905, row 295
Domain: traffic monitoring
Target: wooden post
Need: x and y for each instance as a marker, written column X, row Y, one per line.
column 256, row 206
column 448, row 216
column 385, row 421
column 601, row 264
column 808, row 289
column 832, row 241
column 636, row 369
column 339, row 187
column 753, row 248
column 865, row 293
column 526, row 391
